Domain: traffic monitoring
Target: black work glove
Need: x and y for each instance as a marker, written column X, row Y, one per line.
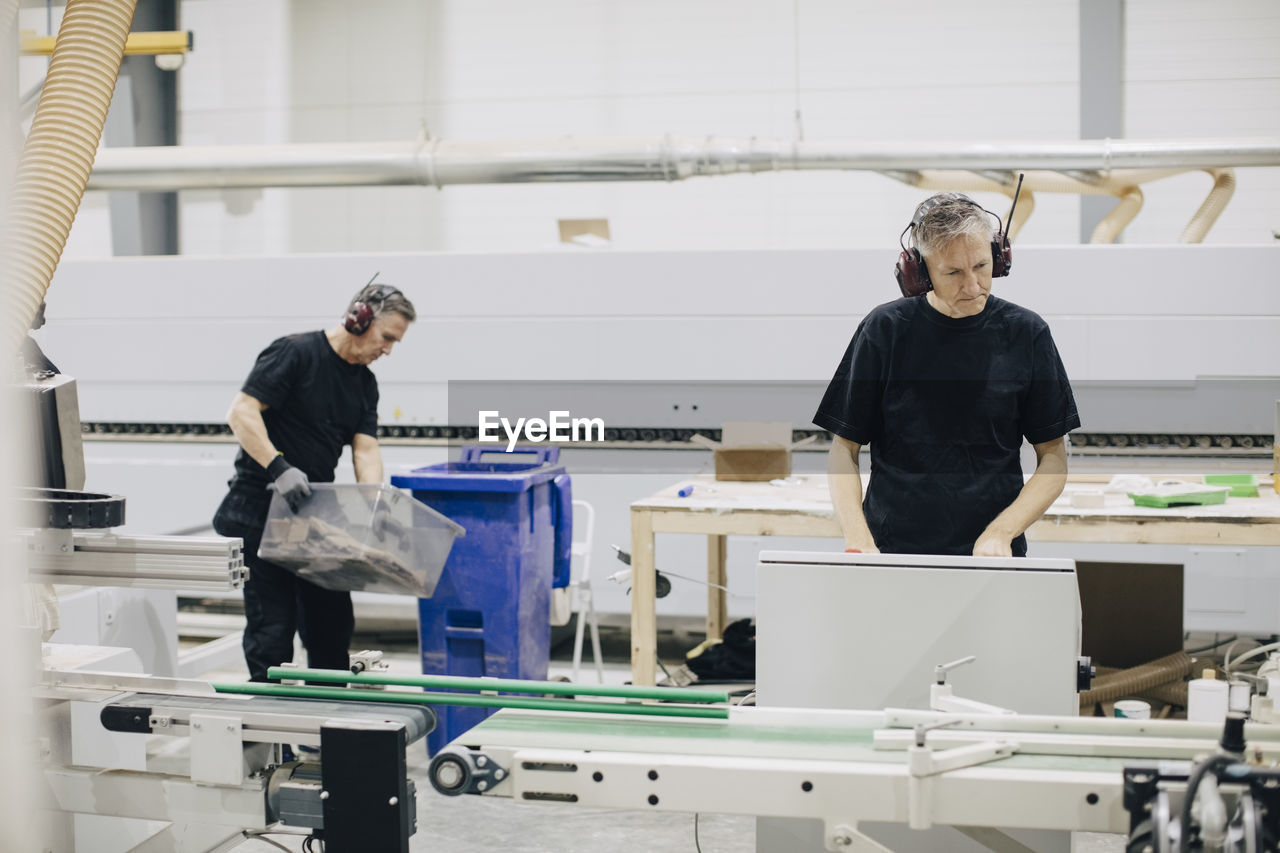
column 291, row 483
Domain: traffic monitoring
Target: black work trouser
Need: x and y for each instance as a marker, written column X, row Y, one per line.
column 277, row 603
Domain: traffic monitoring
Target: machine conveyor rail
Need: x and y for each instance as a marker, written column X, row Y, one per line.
column 1206, row 443
column 265, row 719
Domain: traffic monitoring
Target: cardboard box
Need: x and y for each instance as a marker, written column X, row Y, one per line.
column 752, row 450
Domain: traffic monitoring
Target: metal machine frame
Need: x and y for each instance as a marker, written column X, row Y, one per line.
column 920, row 768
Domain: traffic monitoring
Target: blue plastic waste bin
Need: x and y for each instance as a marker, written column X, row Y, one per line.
column 490, row 613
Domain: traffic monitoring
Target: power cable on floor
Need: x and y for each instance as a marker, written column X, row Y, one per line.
column 696, row 845
column 262, row 836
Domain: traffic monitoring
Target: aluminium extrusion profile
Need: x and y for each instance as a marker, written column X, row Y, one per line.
column 148, row 562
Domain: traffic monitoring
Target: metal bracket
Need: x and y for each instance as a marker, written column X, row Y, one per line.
column 924, row 763
column 216, row 749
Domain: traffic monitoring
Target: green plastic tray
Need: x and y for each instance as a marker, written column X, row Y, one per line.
column 1164, row 501
column 1242, row 485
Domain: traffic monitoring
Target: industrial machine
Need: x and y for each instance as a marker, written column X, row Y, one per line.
column 228, row 775
column 232, row 780
column 918, row 768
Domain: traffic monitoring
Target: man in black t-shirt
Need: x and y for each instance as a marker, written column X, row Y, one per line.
column 944, row 386
column 307, row 396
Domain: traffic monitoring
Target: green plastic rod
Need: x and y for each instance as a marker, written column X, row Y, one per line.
column 404, row 697
column 504, row 685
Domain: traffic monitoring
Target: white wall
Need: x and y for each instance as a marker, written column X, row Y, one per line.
column 1209, row 70
column 171, row 339
column 278, row 71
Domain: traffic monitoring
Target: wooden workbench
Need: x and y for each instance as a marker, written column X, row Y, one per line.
column 719, row 509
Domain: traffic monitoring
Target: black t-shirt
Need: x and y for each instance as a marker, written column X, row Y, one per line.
column 944, row 404
column 316, row 403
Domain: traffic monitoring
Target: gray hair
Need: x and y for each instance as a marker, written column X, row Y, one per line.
column 383, row 299
column 943, row 217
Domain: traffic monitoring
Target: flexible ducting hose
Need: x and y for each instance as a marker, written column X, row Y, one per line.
column 933, row 179
column 1110, row 226
column 59, row 153
column 1130, row 682
column 1022, row 210
column 1173, row 693
column 1121, row 183
column 1224, row 186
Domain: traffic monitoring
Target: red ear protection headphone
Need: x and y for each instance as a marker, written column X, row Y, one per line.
column 911, row 272
column 365, row 307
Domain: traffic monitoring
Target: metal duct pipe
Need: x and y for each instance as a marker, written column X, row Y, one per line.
column 668, row 158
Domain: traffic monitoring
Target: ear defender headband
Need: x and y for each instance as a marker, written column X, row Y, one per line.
column 911, row 272
column 367, row 304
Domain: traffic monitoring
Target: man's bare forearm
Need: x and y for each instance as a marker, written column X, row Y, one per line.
column 1039, row 492
column 844, row 480
column 245, row 420
column 367, row 460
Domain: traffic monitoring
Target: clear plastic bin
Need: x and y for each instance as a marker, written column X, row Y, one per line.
column 360, row 537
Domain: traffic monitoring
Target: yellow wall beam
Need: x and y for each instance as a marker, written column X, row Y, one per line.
column 138, row 44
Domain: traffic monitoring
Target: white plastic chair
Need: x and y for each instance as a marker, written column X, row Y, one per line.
column 584, row 524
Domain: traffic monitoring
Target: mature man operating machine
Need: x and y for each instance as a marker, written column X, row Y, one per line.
column 944, row 384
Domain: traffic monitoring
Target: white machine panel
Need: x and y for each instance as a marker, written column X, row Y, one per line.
column 1231, row 589
column 865, row 631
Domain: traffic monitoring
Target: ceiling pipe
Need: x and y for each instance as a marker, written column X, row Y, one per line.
column 439, row 163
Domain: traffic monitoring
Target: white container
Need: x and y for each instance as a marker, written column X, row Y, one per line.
column 368, row 536
column 1133, row 709
column 1207, row 699
column 1089, row 499
column 1239, row 697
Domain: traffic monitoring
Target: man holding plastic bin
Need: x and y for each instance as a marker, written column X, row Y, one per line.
column 944, row 385
column 307, row 396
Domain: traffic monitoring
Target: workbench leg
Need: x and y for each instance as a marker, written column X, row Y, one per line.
column 644, row 620
column 717, row 579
